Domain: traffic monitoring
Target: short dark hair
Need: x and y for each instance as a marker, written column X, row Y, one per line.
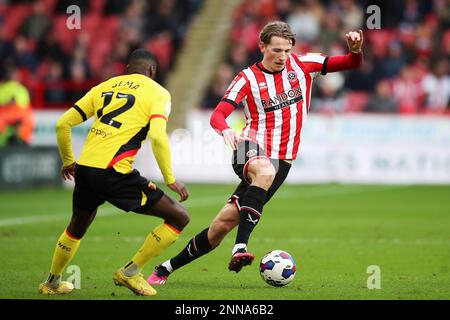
column 142, row 54
column 276, row 28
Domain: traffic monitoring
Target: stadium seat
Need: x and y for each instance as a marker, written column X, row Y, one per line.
column 161, row 46
column 14, row 17
column 380, row 40
column 64, row 36
column 355, row 101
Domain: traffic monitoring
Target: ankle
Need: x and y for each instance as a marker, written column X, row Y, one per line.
column 239, row 247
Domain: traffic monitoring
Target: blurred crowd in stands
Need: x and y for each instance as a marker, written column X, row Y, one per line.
column 406, row 62
column 59, row 65
column 405, row 70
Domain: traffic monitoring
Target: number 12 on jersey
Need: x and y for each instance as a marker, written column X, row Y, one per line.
column 107, row 118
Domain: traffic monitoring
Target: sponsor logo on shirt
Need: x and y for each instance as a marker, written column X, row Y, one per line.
column 282, row 100
column 100, row 132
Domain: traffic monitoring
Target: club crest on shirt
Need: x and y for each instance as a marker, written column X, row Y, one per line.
column 292, row 76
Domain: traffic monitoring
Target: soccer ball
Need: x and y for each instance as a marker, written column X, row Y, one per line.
column 277, row 268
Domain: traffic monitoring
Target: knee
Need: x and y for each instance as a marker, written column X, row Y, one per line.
column 182, row 218
column 263, row 175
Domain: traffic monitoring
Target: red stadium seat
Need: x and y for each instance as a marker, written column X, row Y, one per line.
column 14, row 17
column 63, row 35
column 355, row 101
column 49, row 5
column 380, row 40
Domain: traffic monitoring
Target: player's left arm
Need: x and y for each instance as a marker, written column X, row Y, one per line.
column 161, row 147
column 350, row 61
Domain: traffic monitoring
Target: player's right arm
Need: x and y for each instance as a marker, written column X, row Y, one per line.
column 233, row 96
column 80, row 112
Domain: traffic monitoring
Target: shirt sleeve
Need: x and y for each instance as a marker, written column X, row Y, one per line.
column 219, row 116
column 315, row 63
column 69, row 119
column 161, row 106
column 237, row 90
column 161, row 148
column 159, row 116
column 85, row 106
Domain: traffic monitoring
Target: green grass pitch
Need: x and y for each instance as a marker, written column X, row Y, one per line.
column 333, row 231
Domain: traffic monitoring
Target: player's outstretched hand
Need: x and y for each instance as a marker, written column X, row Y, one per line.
column 355, row 41
column 68, row 172
column 232, row 138
column 179, row 188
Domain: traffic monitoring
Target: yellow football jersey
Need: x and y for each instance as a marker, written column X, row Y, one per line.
column 122, row 108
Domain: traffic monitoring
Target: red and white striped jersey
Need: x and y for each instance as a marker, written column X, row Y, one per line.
column 276, row 104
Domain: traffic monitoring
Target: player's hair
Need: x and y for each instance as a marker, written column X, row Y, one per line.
column 276, row 28
column 142, row 55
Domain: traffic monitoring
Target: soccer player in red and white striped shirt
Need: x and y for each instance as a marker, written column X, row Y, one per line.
column 276, row 94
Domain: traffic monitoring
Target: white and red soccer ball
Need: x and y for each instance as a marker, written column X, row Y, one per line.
column 277, row 268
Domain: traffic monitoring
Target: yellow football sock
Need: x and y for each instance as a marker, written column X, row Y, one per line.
column 65, row 250
column 156, row 242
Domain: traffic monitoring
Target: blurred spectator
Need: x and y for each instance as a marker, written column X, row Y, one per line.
column 442, row 11
column 24, row 55
column 364, row 78
column 79, row 70
column 53, row 80
column 238, row 57
column 37, row 24
column 305, row 21
column 7, row 51
column 331, row 31
column 50, row 48
column 283, row 8
column 352, row 16
column 436, row 86
column 215, row 92
column 382, row 100
column 393, row 63
column 16, row 118
column 407, row 91
column 330, row 99
column 133, row 23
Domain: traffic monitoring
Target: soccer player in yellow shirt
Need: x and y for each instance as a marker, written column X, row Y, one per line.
column 126, row 109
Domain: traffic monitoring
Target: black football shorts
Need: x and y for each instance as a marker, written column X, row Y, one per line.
column 94, row 186
column 245, row 153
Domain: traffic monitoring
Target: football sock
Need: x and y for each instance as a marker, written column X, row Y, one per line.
column 164, row 269
column 196, row 247
column 65, row 250
column 239, row 247
column 250, row 212
column 156, row 242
